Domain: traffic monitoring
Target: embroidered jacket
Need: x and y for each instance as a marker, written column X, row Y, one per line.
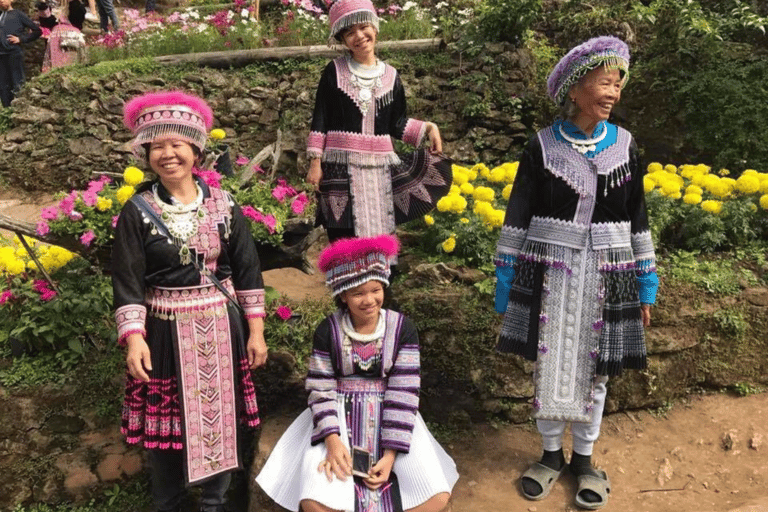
column 143, row 258
column 349, row 130
column 398, row 366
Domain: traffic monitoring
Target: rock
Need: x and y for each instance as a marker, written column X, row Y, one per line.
column 78, row 479
column 86, row 146
column 665, row 472
column 756, row 441
column 242, row 106
column 109, row 468
column 113, row 104
column 34, row 115
column 63, row 424
column 756, row 296
column 729, row 440
column 18, row 134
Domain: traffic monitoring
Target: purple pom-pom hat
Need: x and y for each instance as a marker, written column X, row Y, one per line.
column 608, row 51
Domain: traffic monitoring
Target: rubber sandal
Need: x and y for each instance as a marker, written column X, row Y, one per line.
column 542, row 475
column 599, row 485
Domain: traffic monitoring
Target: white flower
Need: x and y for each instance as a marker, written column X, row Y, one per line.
column 440, row 5
column 245, row 13
column 409, row 5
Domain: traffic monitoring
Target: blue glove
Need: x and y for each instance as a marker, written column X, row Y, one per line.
column 504, row 278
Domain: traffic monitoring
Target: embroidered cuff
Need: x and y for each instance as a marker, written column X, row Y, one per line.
column 252, row 302
column 130, row 319
column 414, row 132
column 648, row 284
column 315, row 144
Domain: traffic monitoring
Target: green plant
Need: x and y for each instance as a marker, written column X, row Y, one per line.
column 746, row 389
column 717, row 277
column 5, row 119
column 731, row 323
column 506, row 20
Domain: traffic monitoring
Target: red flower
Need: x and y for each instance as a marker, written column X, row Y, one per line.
column 284, row 312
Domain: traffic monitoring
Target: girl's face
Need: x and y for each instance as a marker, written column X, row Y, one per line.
column 172, row 159
column 364, row 302
column 595, row 95
column 360, row 39
column 5, row 5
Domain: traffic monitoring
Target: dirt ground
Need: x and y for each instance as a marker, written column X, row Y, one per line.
column 706, row 454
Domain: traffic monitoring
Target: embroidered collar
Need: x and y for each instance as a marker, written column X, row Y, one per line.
column 351, row 333
column 364, row 71
column 602, row 137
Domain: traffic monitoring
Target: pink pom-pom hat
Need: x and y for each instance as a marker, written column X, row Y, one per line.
column 350, row 262
column 176, row 113
column 608, row 51
column 345, row 13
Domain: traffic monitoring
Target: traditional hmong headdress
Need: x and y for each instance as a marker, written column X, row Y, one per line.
column 351, row 262
column 175, row 113
column 608, row 51
column 345, row 13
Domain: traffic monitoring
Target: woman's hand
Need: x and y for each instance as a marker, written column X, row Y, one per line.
column 315, row 173
column 337, row 459
column 379, row 473
column 435, row 141
column 14, row 40
column 138, row 358
column 256, row 348
column 645, row 309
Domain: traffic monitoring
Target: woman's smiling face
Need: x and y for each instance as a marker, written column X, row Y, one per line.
column 364, row 302
column 596, row 94
column 172, row 159
column 361, row 40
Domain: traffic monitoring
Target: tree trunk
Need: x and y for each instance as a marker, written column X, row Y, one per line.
column 241, row 58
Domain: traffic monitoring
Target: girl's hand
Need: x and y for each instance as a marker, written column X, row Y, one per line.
column 138, row 358
column 435, row 141
column 315, row 173
column 14, row 40
column 645, row 309
column 256, row 348
column 379, row 473
column 337, row 461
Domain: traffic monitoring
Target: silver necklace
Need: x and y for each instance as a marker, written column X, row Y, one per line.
column 351, row 335
column 365, row 79
column 182, row 221
column 584, row 145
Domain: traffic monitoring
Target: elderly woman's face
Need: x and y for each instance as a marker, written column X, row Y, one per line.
column 595, row 95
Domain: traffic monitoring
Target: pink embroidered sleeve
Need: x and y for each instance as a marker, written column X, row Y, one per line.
column 252, row 302
column 414, row 132
column 130, row 319
column 315, row 144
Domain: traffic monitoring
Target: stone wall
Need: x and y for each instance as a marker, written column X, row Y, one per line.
column 66, row 126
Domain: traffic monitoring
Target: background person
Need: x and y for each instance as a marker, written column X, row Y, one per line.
column 575, row 264
column 183, row 256
column 15, row 29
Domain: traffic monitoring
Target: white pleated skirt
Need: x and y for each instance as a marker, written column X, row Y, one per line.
column 290, row 474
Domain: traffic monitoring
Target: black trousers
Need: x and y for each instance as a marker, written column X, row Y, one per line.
column 11, row 75
column 168, row 487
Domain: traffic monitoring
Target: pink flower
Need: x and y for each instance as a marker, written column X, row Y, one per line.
column 42, row 228
column 211, row 178
column 284, row 312
column 114, row 221
column 40, row 285
column 299, row 204
column 242, row 160
column 89, row 198
column 67, row 204
column 6, row 296
column 271, row 222
column 252, row 213
column 87, row 238
column 96, row 186
column 47, row 295
column 75, row 216
column 49, row 213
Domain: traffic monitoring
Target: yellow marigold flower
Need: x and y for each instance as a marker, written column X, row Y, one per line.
column 687, row 170
column 764, row 201
column 712, row 206
column 467, row 189
column 484, row 194
column 124, row 193
column 31, row 265
column 459, row 178
column 672, row 169
column 748, row 184
column 458, row 168
column 449, row 244
column 444, row 204
column 507, row 192
column 693, row 189
column 496, row 218
column 670, row 188
column 15, row 266
column 692, row 198
column 454, row 190
column 724, row 172
column 511, row 171
column 748, row 172
column 654, row 167
column 458, row 204
column 648, row 184
column 464, row 220
column 482, row 208
column 497, row 175
column 482, row 170
column 721, row 190
column 764, row 187
column 704, row 169
column 218, row 134
column 132, row 176
column 429, row 220
column 103, row 204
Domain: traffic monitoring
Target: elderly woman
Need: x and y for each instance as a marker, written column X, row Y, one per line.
column 190, row 307
column 576, row 265
column 365, row 187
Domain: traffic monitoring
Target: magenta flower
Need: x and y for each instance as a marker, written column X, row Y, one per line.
column 39, row 285
column 67, row 204
column 299, row 204
column 42, row 228
column 271, row 222
column 280, row 193
column 252, row 213
column 75, row 216
column 211, row 178
column 114, row 221
column 96, row 186
column 6, row 296
column 242, row 160
column 284, row 312
column 89, row 198
column 87, row 238
column 49, row 213
column 47, row 295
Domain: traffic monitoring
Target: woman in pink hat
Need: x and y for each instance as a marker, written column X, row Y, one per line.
column 365, row 188
column 362, row 444
column 189, row 302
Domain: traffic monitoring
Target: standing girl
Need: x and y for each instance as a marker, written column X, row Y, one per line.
column 363, row 385
column 185, row 274
column 365, row 187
